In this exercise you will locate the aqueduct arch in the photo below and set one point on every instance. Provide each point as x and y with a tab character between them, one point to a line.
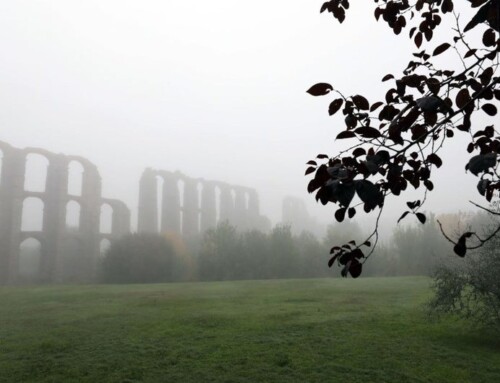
204	203
55	197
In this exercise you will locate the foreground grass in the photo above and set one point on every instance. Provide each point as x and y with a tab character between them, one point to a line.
367	330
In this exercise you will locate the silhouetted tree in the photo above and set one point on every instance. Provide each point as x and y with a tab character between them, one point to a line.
397	140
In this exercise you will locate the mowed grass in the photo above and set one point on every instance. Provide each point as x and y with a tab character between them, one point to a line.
322	330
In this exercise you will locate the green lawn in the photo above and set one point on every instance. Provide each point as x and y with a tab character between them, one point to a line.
323	330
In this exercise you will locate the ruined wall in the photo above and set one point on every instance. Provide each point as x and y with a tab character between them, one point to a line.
173	202
54	237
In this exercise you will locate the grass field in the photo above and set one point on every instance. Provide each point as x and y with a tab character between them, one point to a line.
327	330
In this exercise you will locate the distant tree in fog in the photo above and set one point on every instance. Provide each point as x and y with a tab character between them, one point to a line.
139	258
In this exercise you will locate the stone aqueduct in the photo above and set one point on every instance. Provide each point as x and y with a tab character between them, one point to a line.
168	202
192	209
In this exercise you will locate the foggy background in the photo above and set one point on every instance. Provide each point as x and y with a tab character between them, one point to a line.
213	89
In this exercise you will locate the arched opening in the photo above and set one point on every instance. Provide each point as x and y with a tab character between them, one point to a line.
75	178
35	176
30	257
159	201
106	219
32	215
104	246
199	191
180	187
217	204
233	198
73	216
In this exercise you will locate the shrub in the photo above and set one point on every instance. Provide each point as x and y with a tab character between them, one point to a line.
471	288
139	258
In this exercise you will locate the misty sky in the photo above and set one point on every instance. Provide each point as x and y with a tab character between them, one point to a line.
215	89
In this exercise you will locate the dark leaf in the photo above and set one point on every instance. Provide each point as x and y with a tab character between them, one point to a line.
332	259
358	152
311	163
403	215
340	214
345	134
481	163
460	248
440	49
463	98
351	212
368	132
376	106
387	77
421	217
335	105
345	193
429	103
418	39
480	17
320	89
433	158
310	169
369	194
350	121
429	185
485	77
489	109
489	38
355	268
470	52
482	186
361	102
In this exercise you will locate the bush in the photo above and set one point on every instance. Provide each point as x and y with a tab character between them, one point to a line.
139	258
471	288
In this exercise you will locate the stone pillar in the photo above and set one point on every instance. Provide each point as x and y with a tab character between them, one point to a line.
90	217
171	210
240	209
208	207
11	206
120	224
253	202
148	203
190	209
54	217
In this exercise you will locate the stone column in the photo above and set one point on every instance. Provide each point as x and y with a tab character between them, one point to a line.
190	209
120	224
240	209
90	216
11	206
148	203
54	217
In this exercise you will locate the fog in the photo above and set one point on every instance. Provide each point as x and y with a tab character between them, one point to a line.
212	89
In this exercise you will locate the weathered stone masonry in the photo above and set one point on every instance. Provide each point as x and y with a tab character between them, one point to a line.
204	204
54	234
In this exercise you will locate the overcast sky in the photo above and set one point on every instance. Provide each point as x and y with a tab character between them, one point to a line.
215	89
